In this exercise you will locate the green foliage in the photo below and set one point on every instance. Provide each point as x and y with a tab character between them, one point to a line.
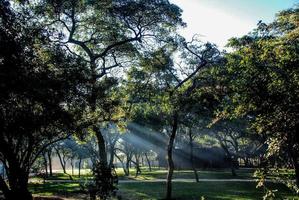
40	99
262	74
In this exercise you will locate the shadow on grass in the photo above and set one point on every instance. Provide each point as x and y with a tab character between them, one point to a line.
208	190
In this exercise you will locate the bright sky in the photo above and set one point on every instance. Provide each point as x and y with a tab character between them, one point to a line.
218	20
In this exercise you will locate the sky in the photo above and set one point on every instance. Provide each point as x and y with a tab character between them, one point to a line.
218	20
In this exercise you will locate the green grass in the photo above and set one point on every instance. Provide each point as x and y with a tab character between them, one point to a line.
188	174
181	190
185	174
62	176
208	190
161	174
49	189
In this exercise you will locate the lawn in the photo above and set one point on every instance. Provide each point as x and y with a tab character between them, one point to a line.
222	190
205	190
181	190
161	174
188	174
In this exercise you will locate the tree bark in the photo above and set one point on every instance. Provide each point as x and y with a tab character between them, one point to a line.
191	156
45	164
169	157
111	156
230	158
72	165
233	167
101	147
296	166
61	160
148	162
50	162
104	178
79	167
137	165
127	168
4	188
18	184
295	161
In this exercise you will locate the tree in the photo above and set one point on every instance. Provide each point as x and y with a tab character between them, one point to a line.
233	136
107	35
263	84
111	134
38	85
169	98
189	131
191	136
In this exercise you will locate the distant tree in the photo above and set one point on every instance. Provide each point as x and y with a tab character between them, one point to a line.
80	153
190	130
49	153
64	154
112	135
232	136
125	152
38	86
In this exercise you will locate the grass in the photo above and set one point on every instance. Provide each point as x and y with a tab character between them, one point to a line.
181	190
208	190
49	189
188	174
161	174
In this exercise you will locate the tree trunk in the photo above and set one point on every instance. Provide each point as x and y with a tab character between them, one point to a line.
295	161
148	162
45	164
230	159
101	147
61	160
233	167
296	166
4	188
137	165
111	156
21	192
104	178
127	168
72	165
191	156
79	167
122	163
18	184
169	156
50	162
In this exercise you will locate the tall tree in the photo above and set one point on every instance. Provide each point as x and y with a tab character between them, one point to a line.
38	86
263	83
107	34
169	97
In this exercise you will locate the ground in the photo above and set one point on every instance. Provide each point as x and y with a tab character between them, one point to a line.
214	184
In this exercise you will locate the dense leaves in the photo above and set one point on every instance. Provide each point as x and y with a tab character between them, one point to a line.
263	72
39	91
